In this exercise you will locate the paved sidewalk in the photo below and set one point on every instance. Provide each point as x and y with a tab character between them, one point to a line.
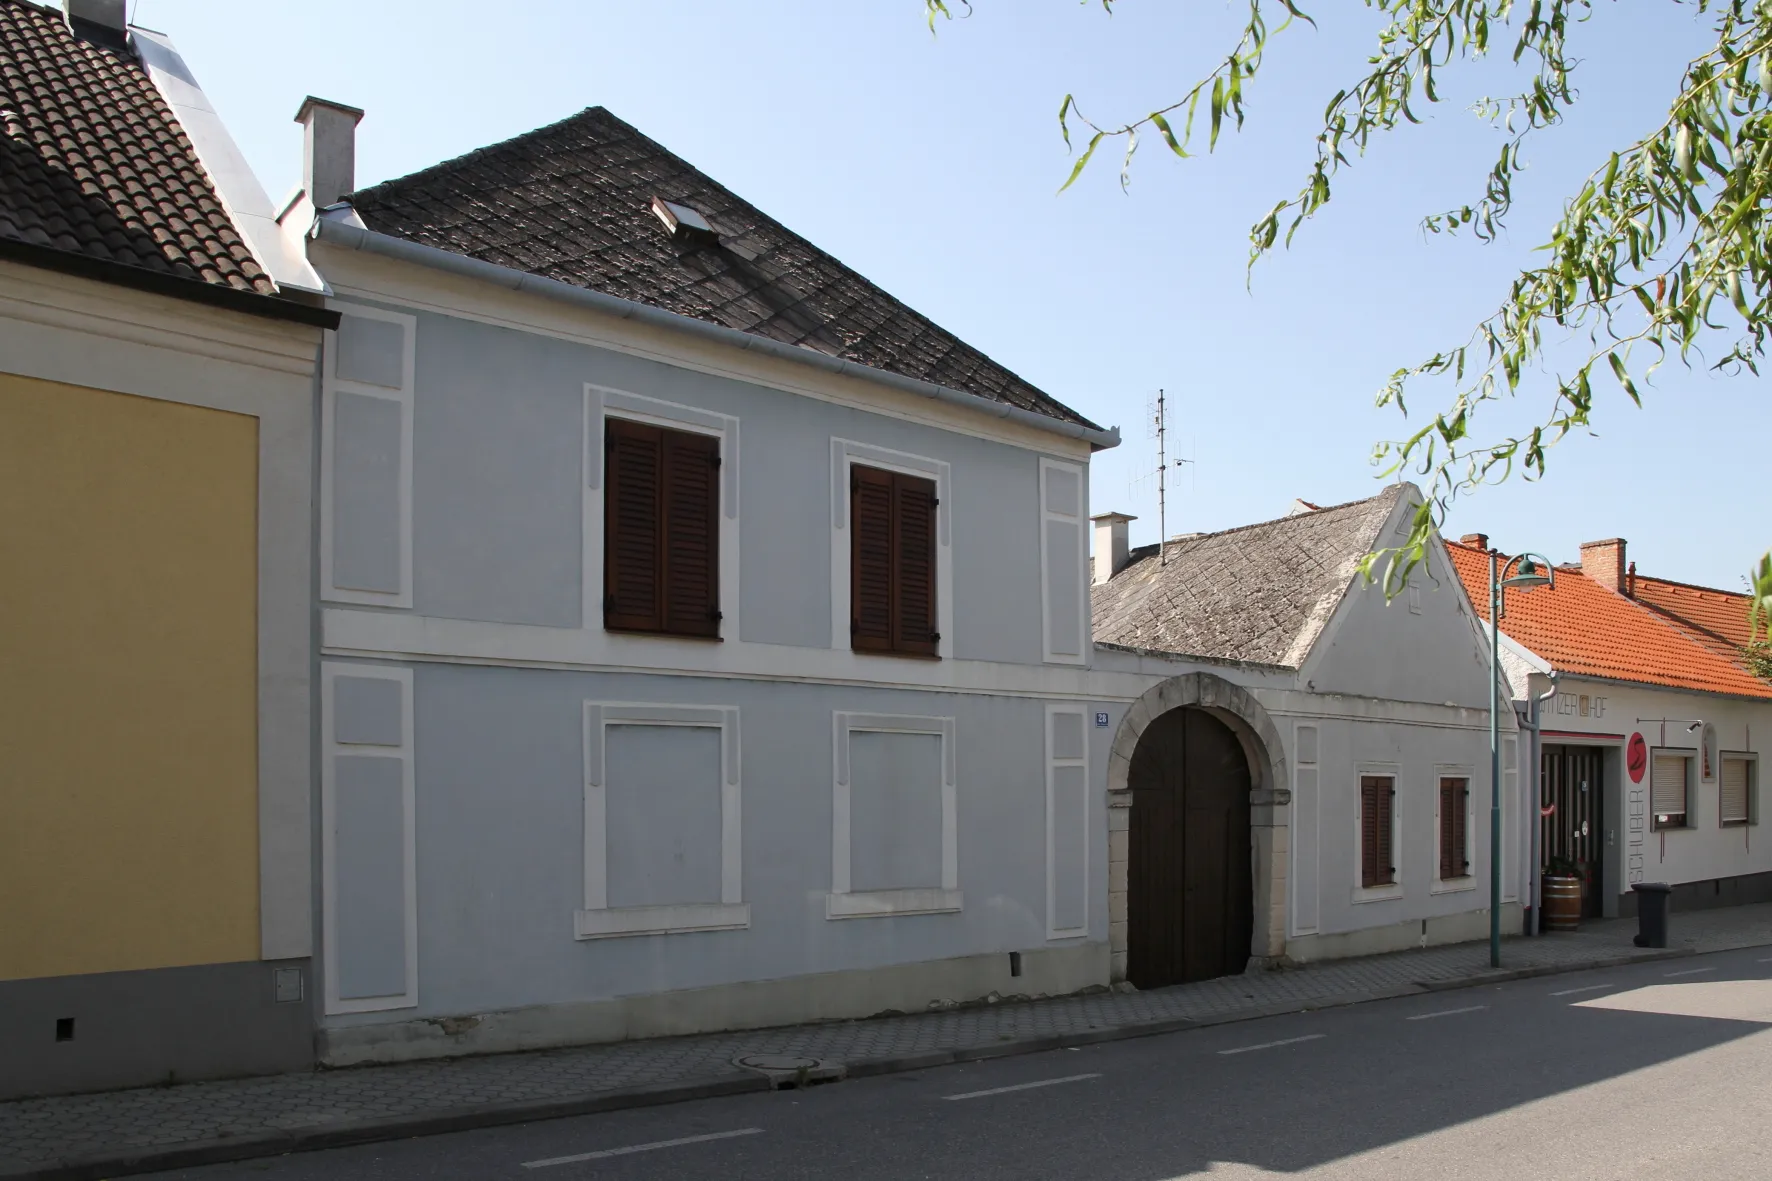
193	1123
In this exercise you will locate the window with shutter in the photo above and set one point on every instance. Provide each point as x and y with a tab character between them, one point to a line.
892	562
661	534
1377	808
1454	827
1737	799
1667	790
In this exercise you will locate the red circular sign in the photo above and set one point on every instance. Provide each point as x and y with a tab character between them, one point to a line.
1636	757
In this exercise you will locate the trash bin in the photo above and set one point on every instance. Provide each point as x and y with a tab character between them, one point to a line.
1652	900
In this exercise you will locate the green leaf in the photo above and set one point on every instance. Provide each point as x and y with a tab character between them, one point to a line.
1162	125
1082	161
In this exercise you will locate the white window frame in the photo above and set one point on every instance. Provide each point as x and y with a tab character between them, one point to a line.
845	454
1394	889
1468	880
844	903
1047	466
1690	756
603	402
331	385
330	748
1753	787
599	920
1053	764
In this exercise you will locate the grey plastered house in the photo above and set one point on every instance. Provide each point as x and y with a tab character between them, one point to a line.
1306	772
704	633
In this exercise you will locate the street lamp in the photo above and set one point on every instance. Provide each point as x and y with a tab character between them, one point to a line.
1530	573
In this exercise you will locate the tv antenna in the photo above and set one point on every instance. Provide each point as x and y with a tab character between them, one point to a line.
1156	416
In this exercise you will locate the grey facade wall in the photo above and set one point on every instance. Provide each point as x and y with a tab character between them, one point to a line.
501	853
156	1026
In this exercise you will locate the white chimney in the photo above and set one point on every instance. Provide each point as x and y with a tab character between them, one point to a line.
329	149
1111	547
105	22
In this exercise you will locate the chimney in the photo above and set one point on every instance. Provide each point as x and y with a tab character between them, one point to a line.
1603	561
329	149
1111	547
102	22
1475	540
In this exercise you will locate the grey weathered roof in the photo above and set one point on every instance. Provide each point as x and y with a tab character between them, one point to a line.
572	202
1260	593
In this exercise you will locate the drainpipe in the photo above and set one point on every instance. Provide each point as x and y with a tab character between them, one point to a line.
1535	770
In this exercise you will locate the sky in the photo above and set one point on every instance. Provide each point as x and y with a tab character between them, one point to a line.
931	163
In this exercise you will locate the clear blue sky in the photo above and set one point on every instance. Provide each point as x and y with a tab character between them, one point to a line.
930	164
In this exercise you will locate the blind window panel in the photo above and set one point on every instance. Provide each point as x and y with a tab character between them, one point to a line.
661	551
1736	805
1667	789
1377	800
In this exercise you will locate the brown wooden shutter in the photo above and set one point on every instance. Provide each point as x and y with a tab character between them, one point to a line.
691	543
1387	795
632	557
1449	853
913	526
870	559
1462	837
1369	860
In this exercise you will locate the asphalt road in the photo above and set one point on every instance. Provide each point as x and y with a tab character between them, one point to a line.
1659	1070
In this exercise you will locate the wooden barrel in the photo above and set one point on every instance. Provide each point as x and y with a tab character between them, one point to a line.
1562	903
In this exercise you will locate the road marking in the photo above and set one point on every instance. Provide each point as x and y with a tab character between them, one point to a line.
1583	988
1445	1013
1045	1082
1309	1037
1689	972
609	1152
1765	961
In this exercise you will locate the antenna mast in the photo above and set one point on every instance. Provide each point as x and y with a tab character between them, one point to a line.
1159	414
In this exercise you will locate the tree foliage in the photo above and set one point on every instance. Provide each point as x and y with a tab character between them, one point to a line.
1665	247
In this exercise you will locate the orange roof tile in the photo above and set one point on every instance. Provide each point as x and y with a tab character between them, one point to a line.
1720	614
1583	628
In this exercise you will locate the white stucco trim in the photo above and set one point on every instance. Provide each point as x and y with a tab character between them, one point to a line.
1467	880
598	920
602	402
1054	763
330	749
1363	894
1080	637
846	453
331	386
1306	872
1511	806
842	902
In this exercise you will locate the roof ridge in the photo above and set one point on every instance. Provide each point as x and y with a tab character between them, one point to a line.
1389	489
1709	590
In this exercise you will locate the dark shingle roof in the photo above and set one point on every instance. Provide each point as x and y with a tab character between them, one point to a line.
93	162
1260	593
572	202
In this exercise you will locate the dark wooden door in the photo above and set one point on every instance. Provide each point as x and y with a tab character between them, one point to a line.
1190	898
1570	786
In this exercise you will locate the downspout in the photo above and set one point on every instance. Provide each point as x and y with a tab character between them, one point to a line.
1535	772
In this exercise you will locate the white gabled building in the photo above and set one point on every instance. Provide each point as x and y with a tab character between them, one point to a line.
1288	700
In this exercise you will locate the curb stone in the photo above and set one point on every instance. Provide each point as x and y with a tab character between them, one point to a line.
345	1133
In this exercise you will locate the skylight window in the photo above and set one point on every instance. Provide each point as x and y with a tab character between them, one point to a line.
683	223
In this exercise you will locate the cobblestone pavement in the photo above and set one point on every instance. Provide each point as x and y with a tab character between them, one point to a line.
38	1131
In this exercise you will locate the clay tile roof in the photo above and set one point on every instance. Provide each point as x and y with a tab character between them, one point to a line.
1582	627
1260	593
572	202
93	162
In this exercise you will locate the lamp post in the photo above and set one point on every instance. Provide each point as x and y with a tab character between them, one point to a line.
1530	574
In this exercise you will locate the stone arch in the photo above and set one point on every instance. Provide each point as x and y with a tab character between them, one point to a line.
1270	792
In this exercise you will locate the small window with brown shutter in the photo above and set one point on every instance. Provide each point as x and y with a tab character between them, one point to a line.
661	530
1455	854
892	562
1378	796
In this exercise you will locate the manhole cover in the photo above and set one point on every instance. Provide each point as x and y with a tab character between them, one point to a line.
791	1070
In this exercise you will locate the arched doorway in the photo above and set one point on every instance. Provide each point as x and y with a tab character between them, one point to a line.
1190	893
